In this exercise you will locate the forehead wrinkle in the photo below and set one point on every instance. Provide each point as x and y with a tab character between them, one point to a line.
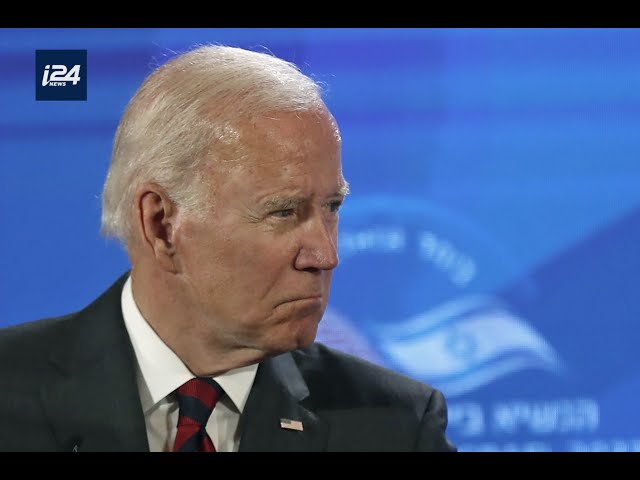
272	143
271	138
290	137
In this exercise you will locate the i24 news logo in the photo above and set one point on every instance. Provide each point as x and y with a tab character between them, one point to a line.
61	75
58	75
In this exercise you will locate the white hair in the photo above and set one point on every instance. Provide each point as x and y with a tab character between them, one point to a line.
182	109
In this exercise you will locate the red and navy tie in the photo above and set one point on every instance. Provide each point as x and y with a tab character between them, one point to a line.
196	400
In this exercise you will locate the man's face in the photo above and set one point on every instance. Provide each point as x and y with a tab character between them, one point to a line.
257	271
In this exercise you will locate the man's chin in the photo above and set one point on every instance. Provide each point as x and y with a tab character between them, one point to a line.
303	336
307	340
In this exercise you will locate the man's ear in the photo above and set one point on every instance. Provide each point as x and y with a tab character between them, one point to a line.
156	220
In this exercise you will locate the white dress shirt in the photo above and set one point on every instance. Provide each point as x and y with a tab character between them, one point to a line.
160	372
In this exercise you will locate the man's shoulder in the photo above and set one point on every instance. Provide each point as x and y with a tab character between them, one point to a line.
27	345
370	407
25	348
355	377
32	334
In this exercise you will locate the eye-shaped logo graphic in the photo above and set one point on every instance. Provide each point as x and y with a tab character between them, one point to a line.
466	343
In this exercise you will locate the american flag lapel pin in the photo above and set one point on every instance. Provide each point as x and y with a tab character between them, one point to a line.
291	424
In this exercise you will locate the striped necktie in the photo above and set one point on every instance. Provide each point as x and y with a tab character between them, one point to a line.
196	399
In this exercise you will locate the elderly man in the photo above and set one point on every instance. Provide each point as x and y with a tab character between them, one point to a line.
224	186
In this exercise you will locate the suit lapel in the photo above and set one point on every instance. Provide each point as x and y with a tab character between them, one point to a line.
92	401
96	411
277	393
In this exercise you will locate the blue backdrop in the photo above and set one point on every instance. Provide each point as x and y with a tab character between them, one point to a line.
490	245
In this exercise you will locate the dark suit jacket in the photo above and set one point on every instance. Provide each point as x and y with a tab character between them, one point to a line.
69	383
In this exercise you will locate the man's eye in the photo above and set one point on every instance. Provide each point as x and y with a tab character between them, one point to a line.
335	206
282	213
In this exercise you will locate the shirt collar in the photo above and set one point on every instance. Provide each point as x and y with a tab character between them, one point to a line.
161	371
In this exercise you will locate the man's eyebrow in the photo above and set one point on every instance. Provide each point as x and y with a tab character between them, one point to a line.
343	191
281	203
284	203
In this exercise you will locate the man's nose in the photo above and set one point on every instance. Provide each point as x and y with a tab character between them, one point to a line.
318	248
